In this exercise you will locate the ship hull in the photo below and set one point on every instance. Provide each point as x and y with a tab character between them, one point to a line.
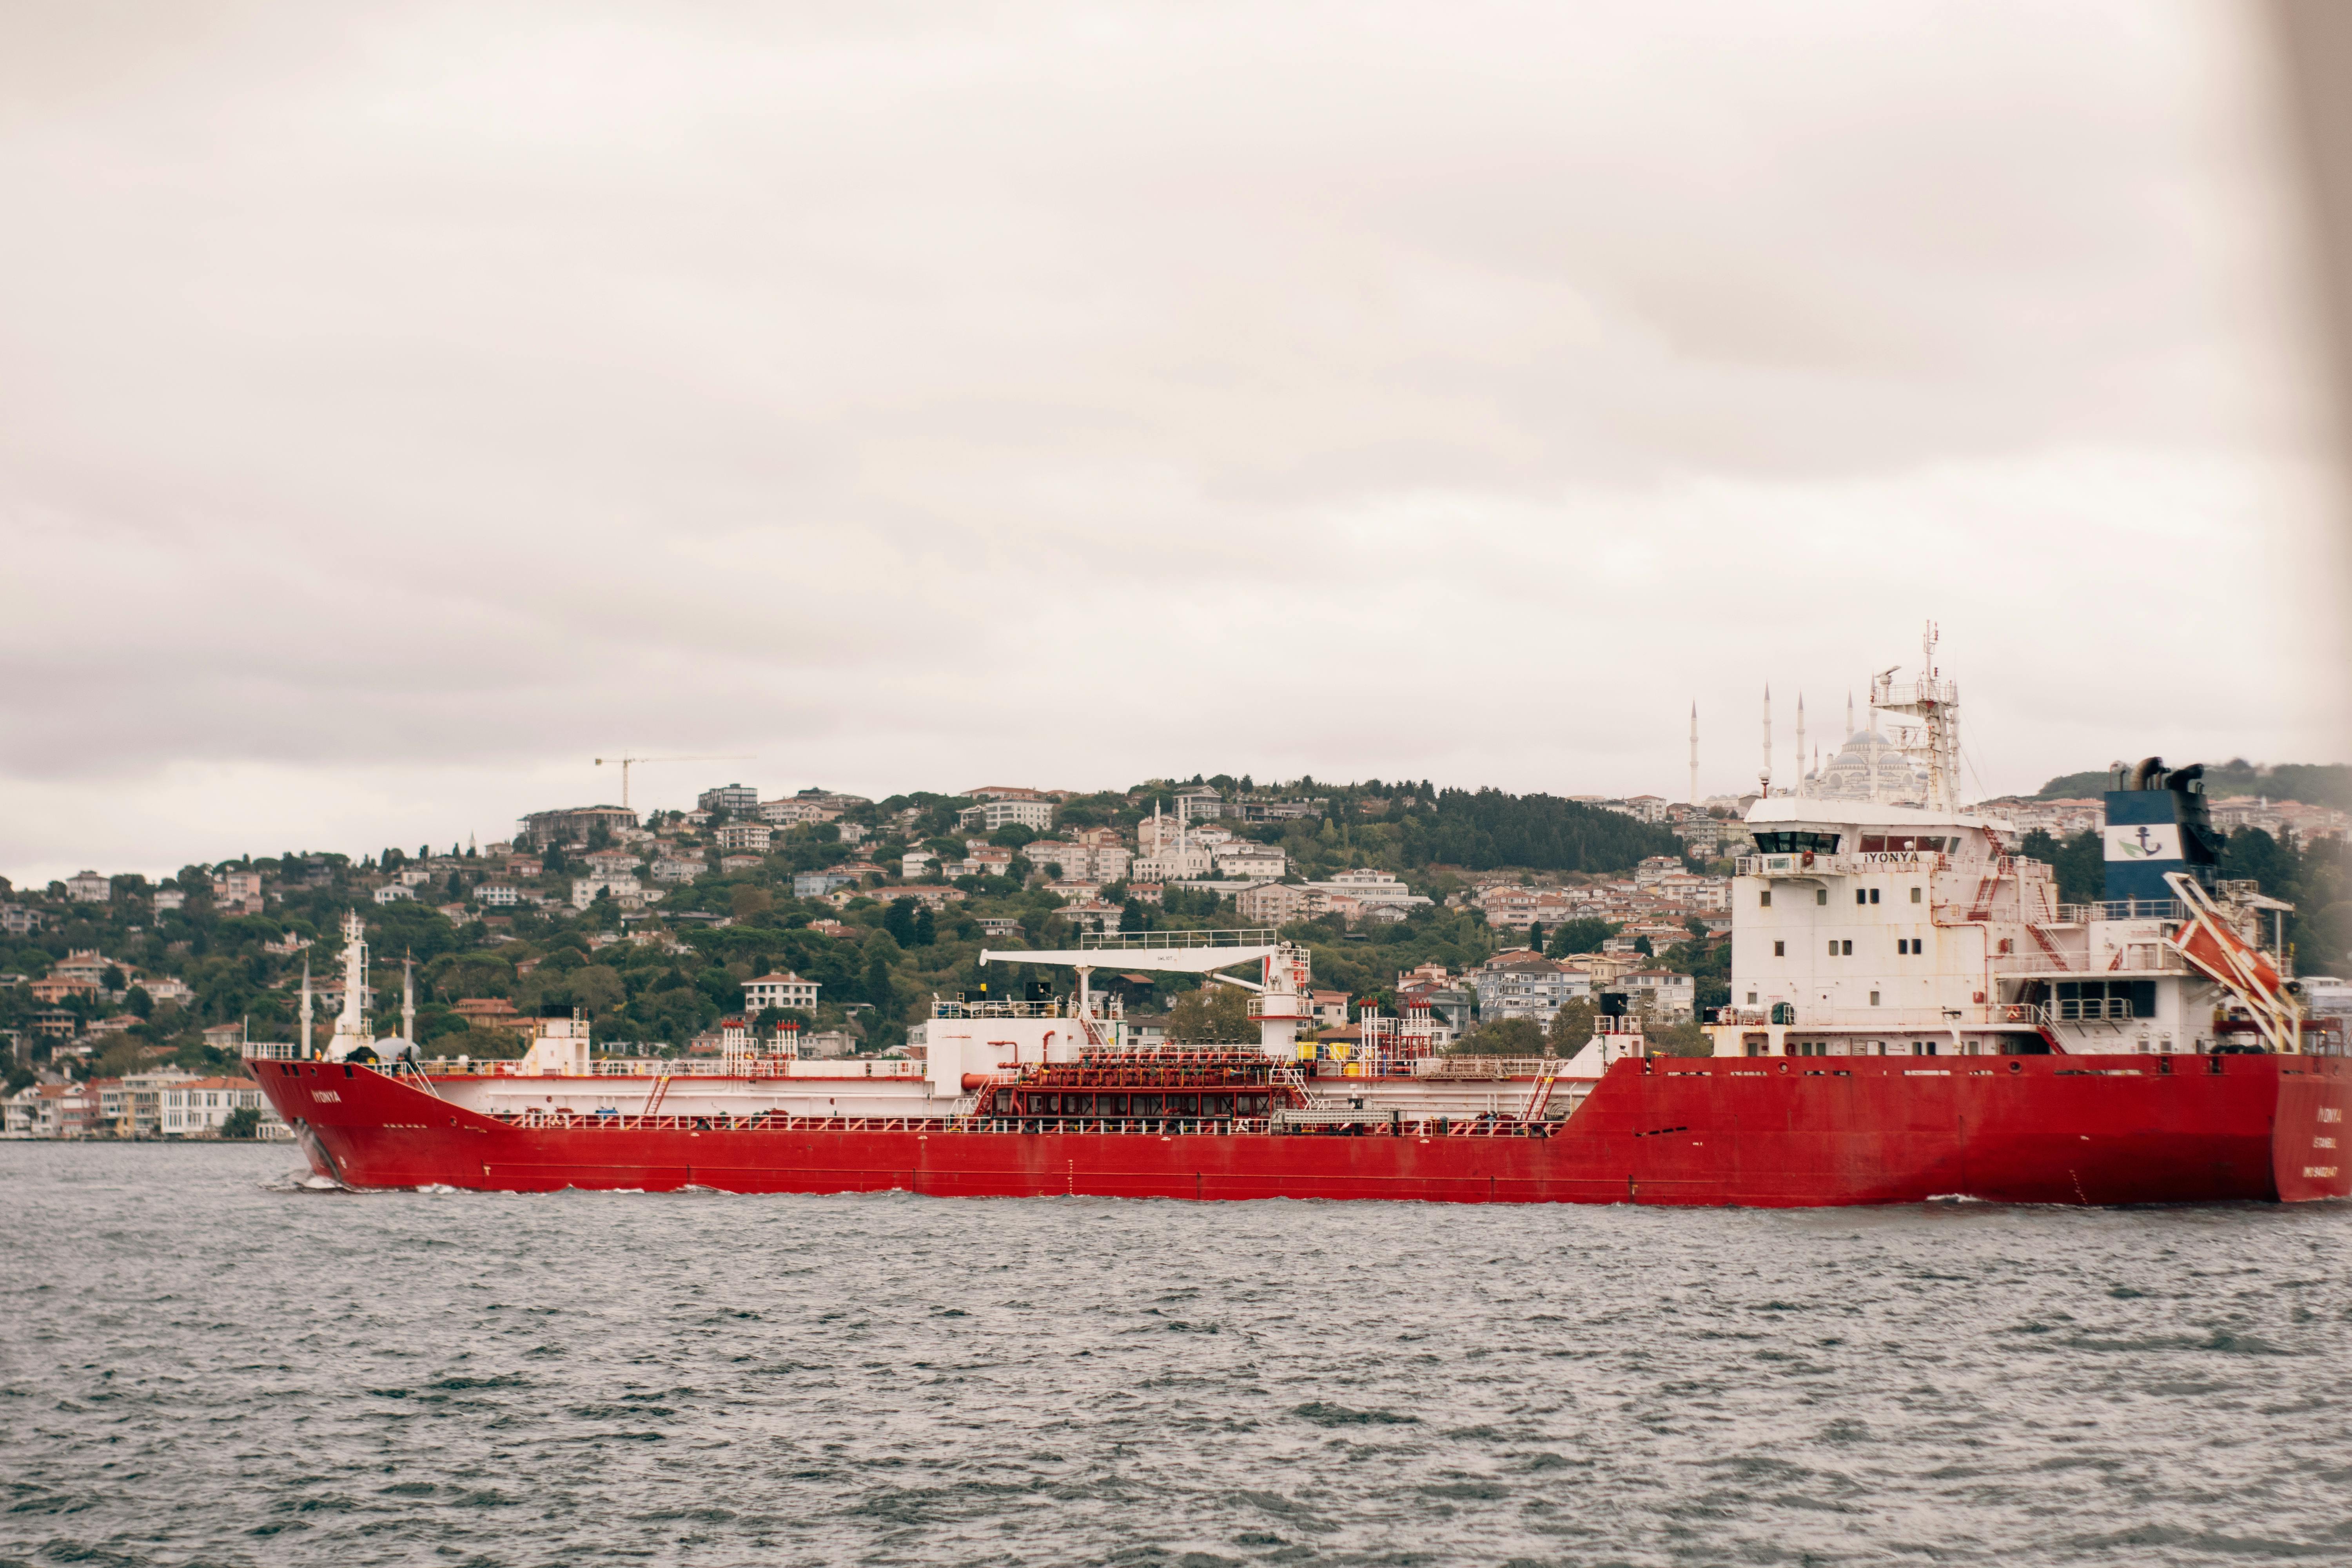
1759	1132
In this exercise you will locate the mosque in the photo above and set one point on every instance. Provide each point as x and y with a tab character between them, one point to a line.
1868	767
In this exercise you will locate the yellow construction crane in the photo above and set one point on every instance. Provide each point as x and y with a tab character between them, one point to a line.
628	763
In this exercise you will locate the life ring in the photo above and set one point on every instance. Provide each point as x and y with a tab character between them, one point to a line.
1808	860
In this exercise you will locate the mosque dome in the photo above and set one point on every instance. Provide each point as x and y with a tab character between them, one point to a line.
1868	767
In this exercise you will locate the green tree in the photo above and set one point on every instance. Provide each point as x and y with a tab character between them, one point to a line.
141	1002
1503	1037
245	1121
597	989
1642	945
880	988
1680	1039
1583	934
1572	1026
1213	1015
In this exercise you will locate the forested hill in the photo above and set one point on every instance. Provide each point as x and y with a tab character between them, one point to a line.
2314	783
1407	827
1485	828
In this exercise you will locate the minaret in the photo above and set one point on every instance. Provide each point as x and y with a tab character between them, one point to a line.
307	1039
1801	744
408	999
1693	793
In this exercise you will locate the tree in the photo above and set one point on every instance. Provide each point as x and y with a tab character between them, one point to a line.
113	979
899	920
245	1121
880	988
479	1043
926	928
141	1002
1583	934
1503	1037
1213	1015
1685	1039
747	902
1642	945
1572	1026
598	989
1535	935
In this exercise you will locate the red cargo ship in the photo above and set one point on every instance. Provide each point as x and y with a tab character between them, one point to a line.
1652	1129
1913	1015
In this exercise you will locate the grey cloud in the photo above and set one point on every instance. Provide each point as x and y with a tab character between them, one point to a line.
1062	393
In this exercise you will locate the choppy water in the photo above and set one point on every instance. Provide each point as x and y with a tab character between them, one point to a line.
196	1368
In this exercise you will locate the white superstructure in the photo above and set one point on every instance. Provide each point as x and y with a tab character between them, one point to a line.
1869	927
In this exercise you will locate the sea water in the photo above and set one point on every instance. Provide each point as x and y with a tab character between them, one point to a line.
201	1363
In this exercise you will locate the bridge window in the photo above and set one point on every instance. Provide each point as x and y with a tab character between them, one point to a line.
2092	999
1796	843
1779	950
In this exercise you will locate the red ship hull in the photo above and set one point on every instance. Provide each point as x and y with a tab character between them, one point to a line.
1761	1132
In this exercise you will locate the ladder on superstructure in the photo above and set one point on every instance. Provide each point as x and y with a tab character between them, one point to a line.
1539	1097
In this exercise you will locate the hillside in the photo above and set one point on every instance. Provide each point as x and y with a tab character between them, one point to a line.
2314	784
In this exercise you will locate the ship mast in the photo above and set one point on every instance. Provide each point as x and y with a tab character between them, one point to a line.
1935	704
352	1025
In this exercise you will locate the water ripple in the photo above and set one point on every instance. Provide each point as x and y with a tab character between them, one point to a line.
207	1364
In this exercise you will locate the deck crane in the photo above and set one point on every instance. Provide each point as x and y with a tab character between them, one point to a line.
1280	1006
628	763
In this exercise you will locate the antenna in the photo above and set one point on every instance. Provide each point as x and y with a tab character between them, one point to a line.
1764	779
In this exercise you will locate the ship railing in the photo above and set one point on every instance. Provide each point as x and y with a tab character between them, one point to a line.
2133	958
966	1008
2122	910
1481	1069
272	1051
1154	940
1374	1122
692	1067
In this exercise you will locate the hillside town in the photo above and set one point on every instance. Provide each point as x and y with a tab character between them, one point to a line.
826	924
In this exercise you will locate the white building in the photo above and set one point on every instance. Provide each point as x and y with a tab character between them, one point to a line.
1376	890
1250	860
915	864
786	990
1659	994
395	893
196	1109
753	837
733	797
585	890
676	869
495	896
90	888
1524	984
987	815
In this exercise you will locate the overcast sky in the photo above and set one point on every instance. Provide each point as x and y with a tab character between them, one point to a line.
402	406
